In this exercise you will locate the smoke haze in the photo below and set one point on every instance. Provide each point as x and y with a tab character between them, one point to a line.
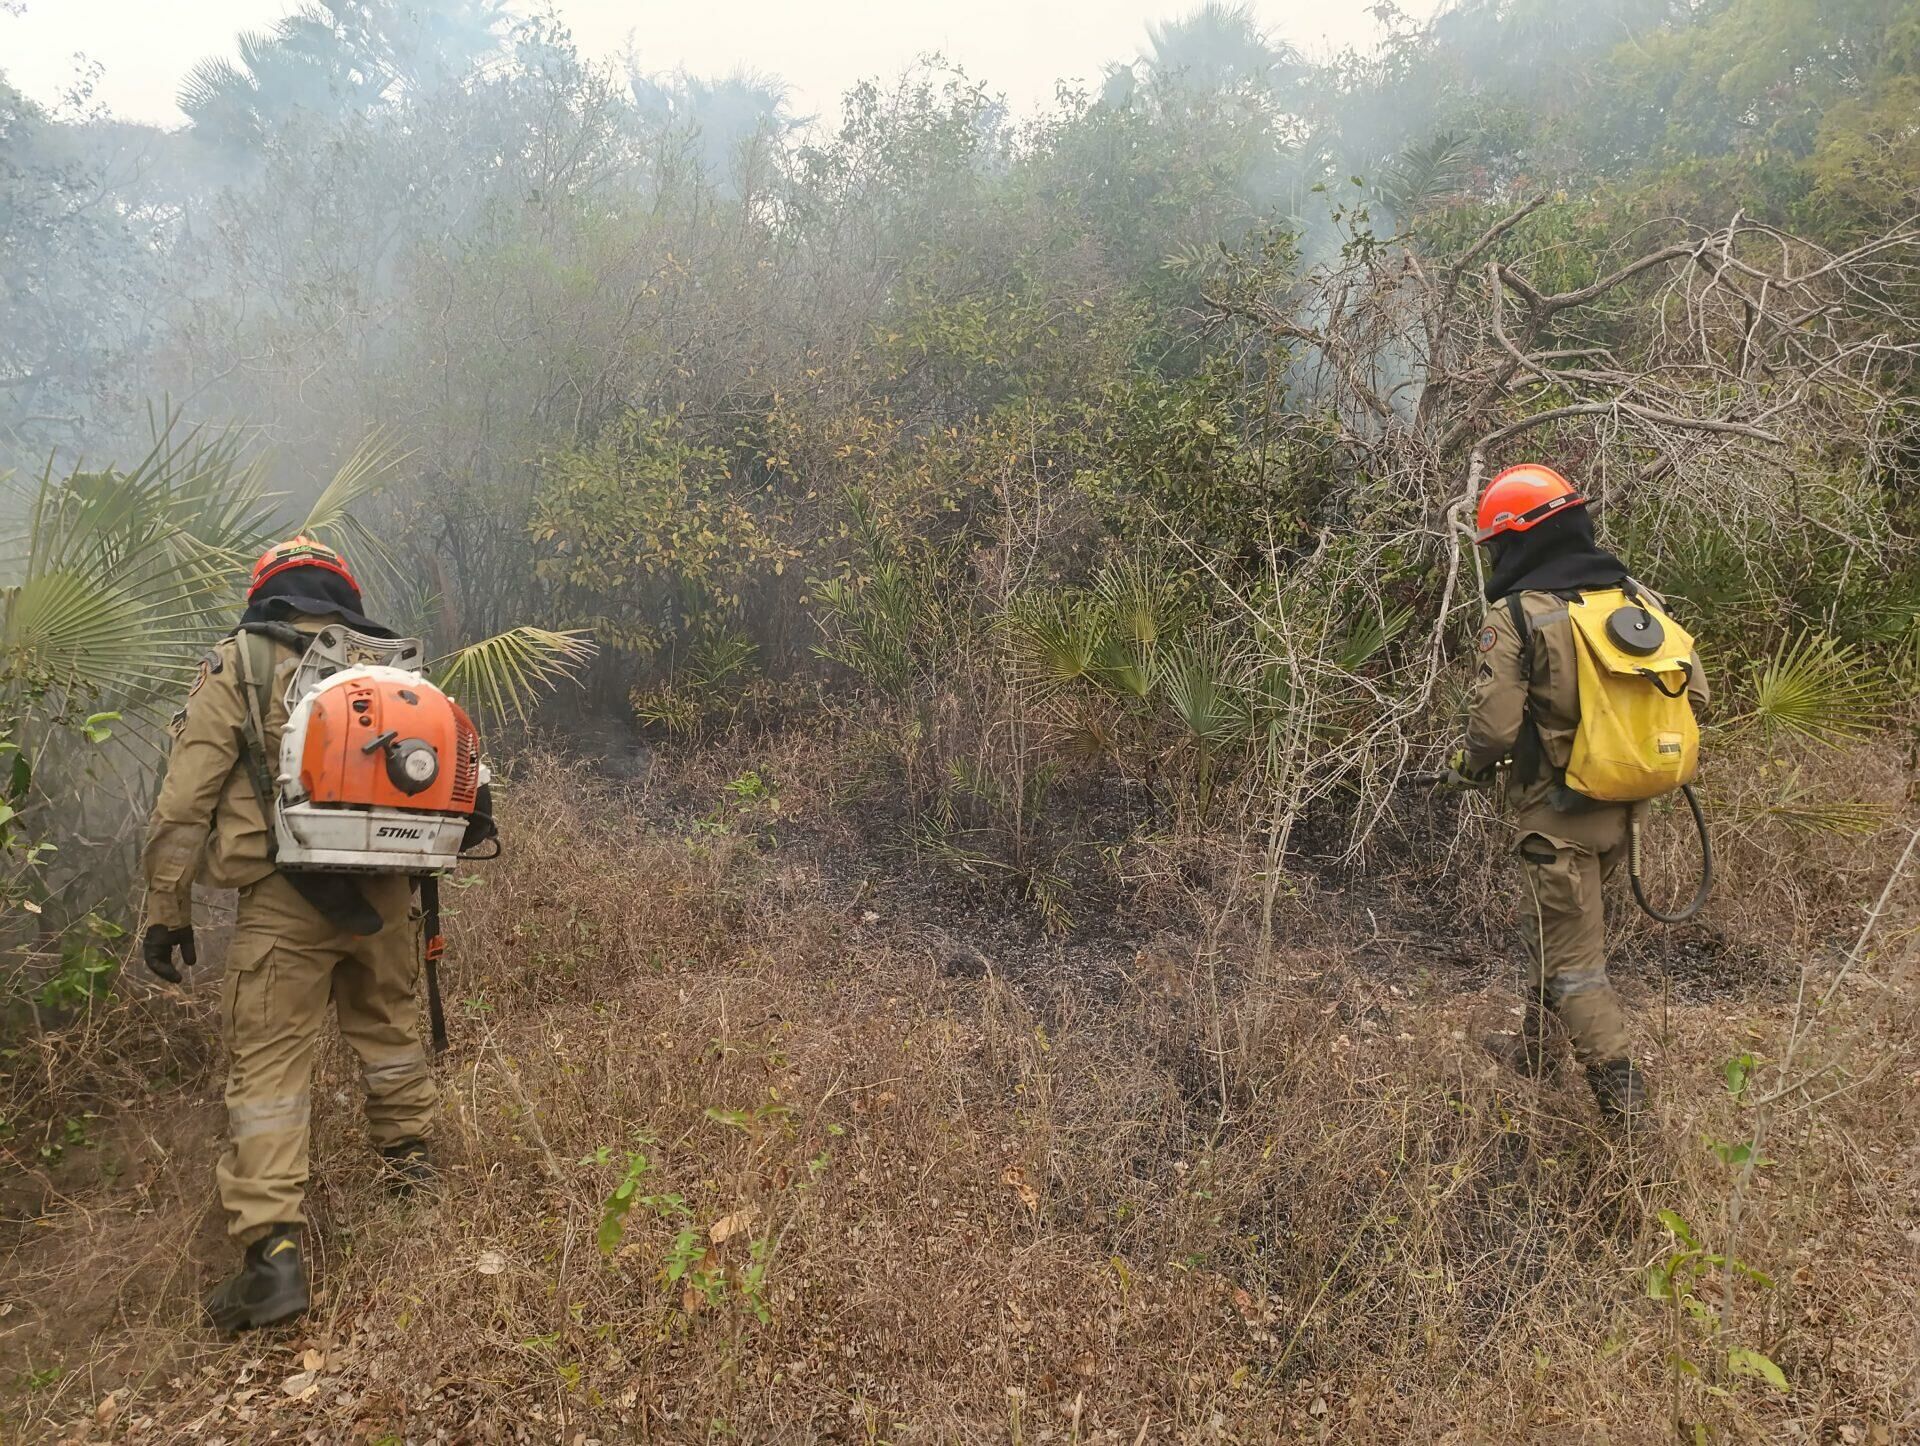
818	49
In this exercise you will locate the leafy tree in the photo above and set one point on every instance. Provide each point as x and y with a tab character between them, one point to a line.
647	530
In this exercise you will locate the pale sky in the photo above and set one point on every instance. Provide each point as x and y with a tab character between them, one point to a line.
819	47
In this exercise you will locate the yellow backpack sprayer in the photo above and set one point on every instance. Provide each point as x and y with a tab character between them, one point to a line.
1637	739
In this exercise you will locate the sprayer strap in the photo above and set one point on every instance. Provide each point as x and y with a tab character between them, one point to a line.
1517	610
1529	753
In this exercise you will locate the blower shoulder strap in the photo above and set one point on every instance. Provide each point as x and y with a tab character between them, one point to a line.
284	633
257	641
336	898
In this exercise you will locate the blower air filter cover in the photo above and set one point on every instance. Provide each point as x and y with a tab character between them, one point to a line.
413	765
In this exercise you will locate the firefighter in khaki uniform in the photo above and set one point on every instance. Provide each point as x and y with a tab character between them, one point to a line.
1525	705
298	942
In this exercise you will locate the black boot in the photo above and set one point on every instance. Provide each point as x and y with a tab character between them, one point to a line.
408	1167
269	1287
1621	1092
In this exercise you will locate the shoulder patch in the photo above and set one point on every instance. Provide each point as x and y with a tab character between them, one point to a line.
1488	637
200	678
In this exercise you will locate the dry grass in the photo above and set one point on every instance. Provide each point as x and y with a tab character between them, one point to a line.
1213	1201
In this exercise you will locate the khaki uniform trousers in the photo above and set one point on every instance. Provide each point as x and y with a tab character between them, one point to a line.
1566	857
286	961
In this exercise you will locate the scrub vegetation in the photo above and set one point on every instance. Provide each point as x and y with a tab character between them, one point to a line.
959	601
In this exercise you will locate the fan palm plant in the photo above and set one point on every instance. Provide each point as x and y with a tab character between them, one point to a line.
306	63
333	58
1423	176
1140	610
112	581
1819	691
1205	693
1368	634
1813	695
1218	48
110	578
1110	633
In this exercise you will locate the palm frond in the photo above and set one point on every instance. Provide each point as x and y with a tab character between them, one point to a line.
1798	807
212	85
192	501
677	713
365	472
69	630
1127	666
1088	735
1272	694
1825	692
718	659
1201	685
1368	634
1839	817
336	517
1050	893
1053	639
202	511
1424	175
501	675
113	577
1140	602
217	505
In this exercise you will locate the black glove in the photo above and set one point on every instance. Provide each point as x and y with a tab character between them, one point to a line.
158	944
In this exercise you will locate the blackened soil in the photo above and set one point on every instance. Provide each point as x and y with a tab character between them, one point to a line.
1404	910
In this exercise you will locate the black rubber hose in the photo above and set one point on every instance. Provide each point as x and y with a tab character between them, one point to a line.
1699	899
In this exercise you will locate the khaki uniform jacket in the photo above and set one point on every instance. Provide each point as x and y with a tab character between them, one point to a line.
207	822
1509	688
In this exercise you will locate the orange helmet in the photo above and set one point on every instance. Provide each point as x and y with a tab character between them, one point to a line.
298	552
1521	498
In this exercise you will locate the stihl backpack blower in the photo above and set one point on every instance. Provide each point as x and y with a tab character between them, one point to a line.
379	772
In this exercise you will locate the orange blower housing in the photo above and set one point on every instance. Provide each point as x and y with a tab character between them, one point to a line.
380	772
